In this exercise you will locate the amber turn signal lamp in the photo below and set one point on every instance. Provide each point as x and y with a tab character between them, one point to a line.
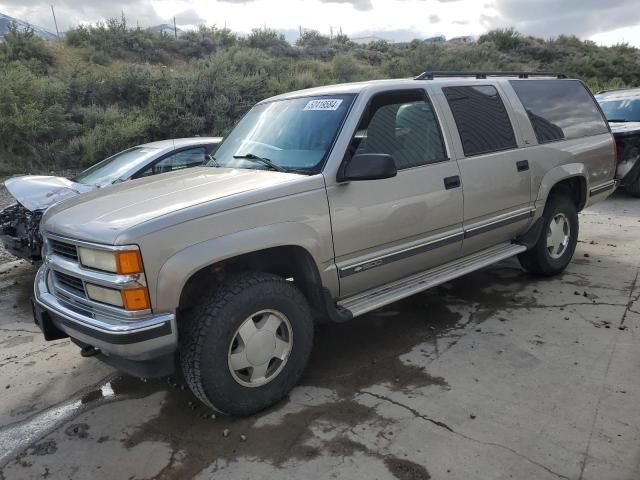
136	299
128	262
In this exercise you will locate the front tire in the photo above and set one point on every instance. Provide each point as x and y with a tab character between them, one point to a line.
557	243
246	345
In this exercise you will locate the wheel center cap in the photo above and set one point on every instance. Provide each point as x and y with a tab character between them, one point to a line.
261	347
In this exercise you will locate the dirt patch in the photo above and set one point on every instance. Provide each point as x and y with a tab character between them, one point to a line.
79	430
406	470
18	339
48	447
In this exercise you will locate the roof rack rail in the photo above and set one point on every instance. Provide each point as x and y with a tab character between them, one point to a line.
430	75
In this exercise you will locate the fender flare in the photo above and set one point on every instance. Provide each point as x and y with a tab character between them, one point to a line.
559	173
179	268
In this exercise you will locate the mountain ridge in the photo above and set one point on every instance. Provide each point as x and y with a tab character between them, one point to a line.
6	21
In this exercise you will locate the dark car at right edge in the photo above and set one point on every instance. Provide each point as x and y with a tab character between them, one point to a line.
622	109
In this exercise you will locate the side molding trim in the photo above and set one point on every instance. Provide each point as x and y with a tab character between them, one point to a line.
432	245
401	255
605	187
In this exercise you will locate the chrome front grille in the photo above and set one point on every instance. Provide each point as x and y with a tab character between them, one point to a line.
71	284
66	250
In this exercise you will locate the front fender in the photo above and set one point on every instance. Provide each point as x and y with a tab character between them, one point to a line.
177	270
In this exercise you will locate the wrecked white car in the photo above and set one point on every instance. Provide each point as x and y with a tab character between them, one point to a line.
20	222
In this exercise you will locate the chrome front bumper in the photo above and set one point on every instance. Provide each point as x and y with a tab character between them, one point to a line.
135	338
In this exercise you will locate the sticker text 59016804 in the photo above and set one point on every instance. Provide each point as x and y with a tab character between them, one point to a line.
324	104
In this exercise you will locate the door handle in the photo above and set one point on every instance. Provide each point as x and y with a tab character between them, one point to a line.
522	165
452	182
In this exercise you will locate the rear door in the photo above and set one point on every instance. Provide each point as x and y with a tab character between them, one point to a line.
387	229
496	174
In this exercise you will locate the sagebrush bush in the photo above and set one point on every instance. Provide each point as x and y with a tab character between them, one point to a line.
111	87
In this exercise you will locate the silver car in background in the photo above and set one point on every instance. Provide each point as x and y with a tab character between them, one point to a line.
20	222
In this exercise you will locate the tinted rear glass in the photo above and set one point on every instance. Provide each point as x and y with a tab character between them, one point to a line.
481	118
559	109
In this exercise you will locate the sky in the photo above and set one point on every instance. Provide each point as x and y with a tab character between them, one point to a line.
606	22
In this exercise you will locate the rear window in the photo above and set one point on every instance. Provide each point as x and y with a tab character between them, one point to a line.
559	109
621	109
481	118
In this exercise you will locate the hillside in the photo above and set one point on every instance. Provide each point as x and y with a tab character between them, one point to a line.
5	25
109	87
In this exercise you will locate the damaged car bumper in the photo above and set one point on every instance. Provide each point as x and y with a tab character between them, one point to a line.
20	231
627	137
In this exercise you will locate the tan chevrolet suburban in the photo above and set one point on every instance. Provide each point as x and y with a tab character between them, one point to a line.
321	205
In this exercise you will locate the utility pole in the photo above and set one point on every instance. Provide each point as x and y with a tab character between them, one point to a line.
331	31
300	29
175	29
55	22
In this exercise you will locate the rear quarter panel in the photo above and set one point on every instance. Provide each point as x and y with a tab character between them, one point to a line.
591	158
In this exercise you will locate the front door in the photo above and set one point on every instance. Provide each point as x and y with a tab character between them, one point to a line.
387	229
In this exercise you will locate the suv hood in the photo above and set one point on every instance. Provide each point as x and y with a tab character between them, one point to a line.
37	192
100	216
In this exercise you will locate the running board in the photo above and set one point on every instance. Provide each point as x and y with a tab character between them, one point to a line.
405	287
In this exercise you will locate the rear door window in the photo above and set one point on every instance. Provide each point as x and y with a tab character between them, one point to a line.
482	119
559	109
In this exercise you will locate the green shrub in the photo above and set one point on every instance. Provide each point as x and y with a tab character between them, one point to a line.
110	86
26	47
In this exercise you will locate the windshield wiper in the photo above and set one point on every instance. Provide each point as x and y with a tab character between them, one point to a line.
263	160
618	120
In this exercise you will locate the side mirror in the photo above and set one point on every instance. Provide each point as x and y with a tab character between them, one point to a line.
368	166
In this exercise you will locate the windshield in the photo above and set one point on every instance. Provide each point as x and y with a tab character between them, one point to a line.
293	134
111	169
627	109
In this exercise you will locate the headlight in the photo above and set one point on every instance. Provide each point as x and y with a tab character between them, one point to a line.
129	299
104	295
124	262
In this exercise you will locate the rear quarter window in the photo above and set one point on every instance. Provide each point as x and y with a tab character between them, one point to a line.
481	118
559	109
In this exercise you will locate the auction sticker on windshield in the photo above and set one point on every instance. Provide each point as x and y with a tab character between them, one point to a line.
324	104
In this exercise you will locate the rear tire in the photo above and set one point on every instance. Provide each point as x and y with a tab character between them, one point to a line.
246	345
557	243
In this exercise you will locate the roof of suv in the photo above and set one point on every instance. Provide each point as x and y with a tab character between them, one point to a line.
359	87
